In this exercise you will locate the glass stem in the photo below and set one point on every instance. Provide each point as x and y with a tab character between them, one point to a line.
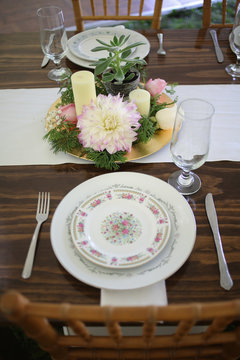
185	179
238	61
57	64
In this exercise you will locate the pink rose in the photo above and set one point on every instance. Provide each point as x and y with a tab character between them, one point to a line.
155	87
69	112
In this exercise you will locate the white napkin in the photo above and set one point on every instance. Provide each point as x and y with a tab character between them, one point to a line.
22	125
149	295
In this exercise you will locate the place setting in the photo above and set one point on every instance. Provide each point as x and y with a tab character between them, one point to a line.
122	230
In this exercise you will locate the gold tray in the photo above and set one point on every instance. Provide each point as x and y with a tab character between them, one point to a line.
140	150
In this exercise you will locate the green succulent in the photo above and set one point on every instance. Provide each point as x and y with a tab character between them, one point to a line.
117	60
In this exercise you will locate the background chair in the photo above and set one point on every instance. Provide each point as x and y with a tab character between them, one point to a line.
212	343
110	10
207	20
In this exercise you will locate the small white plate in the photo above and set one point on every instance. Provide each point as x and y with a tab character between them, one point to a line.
176	252
120	228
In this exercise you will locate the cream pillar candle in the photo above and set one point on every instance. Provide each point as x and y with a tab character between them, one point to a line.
166	117
84	90
141	98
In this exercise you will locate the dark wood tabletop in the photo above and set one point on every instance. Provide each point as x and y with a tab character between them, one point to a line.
190	59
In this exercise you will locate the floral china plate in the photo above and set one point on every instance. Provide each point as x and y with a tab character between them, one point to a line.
120	228
176	251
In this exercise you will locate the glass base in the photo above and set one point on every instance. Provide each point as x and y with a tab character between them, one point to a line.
192	188
233	70
59	74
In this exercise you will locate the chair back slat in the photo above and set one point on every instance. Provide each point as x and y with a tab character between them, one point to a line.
93	7
183	328
36	319
149	326
114	330
141	7
117	7
131	13
129	7
105	7
217	326
80	329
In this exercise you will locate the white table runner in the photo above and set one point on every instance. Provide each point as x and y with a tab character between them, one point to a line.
22	125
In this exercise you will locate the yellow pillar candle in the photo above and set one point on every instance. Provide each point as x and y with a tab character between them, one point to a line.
84	90
141	98
166	117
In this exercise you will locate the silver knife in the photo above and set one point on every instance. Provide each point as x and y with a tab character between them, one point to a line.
225	278
45	61
218	51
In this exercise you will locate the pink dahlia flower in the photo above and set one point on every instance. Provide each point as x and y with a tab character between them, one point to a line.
109	123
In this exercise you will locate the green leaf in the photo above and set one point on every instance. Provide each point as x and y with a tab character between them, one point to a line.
107	77
146	130
100	48
103	43
121	40
126	39
132	46
67	91
63	137
136	61
125	54
103	159
115	40
102	66
130	76
119	76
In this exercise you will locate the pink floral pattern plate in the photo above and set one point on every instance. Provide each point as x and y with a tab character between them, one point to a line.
120	228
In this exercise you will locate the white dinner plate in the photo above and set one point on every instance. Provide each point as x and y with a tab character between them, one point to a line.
176	252
81	44
120	228
76	60
84	57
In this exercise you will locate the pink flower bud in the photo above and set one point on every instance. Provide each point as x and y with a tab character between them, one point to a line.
155	87
69	112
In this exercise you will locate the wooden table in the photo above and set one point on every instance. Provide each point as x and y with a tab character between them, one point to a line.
190	59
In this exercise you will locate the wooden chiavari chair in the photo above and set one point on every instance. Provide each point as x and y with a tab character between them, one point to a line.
112	10
213	342
207	18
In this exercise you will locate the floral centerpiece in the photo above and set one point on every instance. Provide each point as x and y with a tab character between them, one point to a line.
103	127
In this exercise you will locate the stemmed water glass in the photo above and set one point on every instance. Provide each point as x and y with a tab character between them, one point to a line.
53	39
234	41
190	143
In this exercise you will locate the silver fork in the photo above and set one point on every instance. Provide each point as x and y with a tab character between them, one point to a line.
41	216
161	50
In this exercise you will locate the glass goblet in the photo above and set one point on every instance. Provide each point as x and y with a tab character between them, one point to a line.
190	143
53	39
234	42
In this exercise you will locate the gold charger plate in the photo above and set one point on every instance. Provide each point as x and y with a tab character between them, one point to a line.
140	150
